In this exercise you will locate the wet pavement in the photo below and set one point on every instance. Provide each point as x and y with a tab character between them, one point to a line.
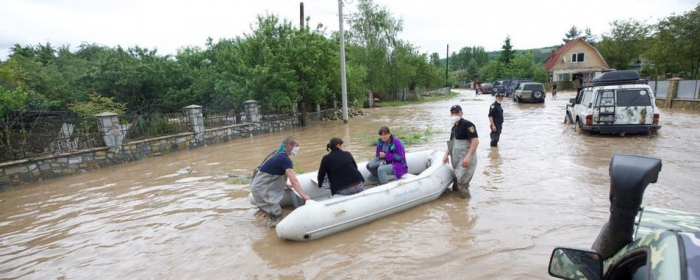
180	216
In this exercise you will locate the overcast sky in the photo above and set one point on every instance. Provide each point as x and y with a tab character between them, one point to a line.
430	25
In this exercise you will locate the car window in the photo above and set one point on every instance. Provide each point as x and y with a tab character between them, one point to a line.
534	87
588	98
633	97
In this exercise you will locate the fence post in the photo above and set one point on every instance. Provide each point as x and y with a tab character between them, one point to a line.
108	124
370	98
194	114
318	111
672	91
250	108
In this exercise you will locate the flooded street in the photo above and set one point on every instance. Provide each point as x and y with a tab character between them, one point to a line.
179	216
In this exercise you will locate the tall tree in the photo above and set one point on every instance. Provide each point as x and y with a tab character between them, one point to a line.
507	52
572	34
435	59
624	43
675	46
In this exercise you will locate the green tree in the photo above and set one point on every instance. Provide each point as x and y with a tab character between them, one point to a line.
572	34
507	53
624	43
675	46
435	60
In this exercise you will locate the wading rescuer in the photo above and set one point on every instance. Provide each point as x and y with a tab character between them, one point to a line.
462	149
496	119
270	181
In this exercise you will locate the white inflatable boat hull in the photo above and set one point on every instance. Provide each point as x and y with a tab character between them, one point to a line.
325	215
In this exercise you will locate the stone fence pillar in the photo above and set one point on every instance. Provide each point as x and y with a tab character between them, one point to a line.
250	108
672	91
108	124
194	114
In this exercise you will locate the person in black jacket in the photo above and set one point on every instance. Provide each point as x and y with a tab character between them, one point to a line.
341	169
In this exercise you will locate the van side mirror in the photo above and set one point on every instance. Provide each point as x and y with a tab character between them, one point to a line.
570	263
572	101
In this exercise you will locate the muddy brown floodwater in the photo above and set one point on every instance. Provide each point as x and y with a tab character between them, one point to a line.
179	216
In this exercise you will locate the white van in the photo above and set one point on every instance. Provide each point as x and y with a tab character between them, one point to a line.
615	102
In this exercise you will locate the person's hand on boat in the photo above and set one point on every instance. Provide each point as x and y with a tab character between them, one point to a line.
305	197
466	162
446	159
382	154
288	186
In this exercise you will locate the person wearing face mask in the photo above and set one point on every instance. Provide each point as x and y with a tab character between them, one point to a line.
391	155
341	169
496	119
268	185
462	148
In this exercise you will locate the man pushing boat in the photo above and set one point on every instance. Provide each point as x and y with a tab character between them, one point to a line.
270	181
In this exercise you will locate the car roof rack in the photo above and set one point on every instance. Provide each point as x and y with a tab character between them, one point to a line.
623	77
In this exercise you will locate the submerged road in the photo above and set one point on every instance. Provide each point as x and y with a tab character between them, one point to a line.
181	216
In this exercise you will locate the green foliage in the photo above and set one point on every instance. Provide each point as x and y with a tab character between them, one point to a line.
155	126
95	105
624	43
409	136
675	46
419	101
11	100
573	34
507	53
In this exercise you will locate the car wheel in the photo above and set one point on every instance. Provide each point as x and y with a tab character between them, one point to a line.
567	119
579	128
537	94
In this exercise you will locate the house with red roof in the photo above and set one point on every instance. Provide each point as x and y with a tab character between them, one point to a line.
577	58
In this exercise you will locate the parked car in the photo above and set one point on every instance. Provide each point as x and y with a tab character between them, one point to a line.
636	242
529	92
513	84
485	88
499	87
615	102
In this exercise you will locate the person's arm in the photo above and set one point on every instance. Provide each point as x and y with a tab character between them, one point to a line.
446	158
321	172
295	183
472	149
399	152
493	125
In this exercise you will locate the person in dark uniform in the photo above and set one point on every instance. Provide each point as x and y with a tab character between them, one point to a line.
462	149
496	119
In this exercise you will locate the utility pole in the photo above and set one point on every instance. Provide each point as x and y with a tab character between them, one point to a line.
342	62
301	74
447	62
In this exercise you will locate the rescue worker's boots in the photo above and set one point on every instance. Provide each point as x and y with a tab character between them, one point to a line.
273	220
464	191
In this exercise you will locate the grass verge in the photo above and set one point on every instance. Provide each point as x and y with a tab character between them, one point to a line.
420	100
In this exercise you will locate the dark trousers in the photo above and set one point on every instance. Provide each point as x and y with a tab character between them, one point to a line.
495	136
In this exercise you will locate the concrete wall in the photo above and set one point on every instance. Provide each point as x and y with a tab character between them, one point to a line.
671	100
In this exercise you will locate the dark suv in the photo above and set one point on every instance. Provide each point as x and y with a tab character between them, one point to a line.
507	87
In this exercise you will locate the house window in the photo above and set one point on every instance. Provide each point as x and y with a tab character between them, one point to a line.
577	57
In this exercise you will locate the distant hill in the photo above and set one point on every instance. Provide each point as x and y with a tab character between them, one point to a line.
540	54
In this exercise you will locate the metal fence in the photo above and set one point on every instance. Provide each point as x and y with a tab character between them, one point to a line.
33	134
153	119
660	88
219	118
688	89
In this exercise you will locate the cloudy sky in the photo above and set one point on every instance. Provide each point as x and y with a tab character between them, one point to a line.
430	25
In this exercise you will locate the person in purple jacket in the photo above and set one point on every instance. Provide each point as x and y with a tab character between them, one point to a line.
391	151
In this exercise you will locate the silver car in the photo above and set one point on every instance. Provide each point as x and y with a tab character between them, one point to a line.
529	92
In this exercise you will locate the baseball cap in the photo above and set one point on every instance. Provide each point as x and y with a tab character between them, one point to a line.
456	108
500	95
